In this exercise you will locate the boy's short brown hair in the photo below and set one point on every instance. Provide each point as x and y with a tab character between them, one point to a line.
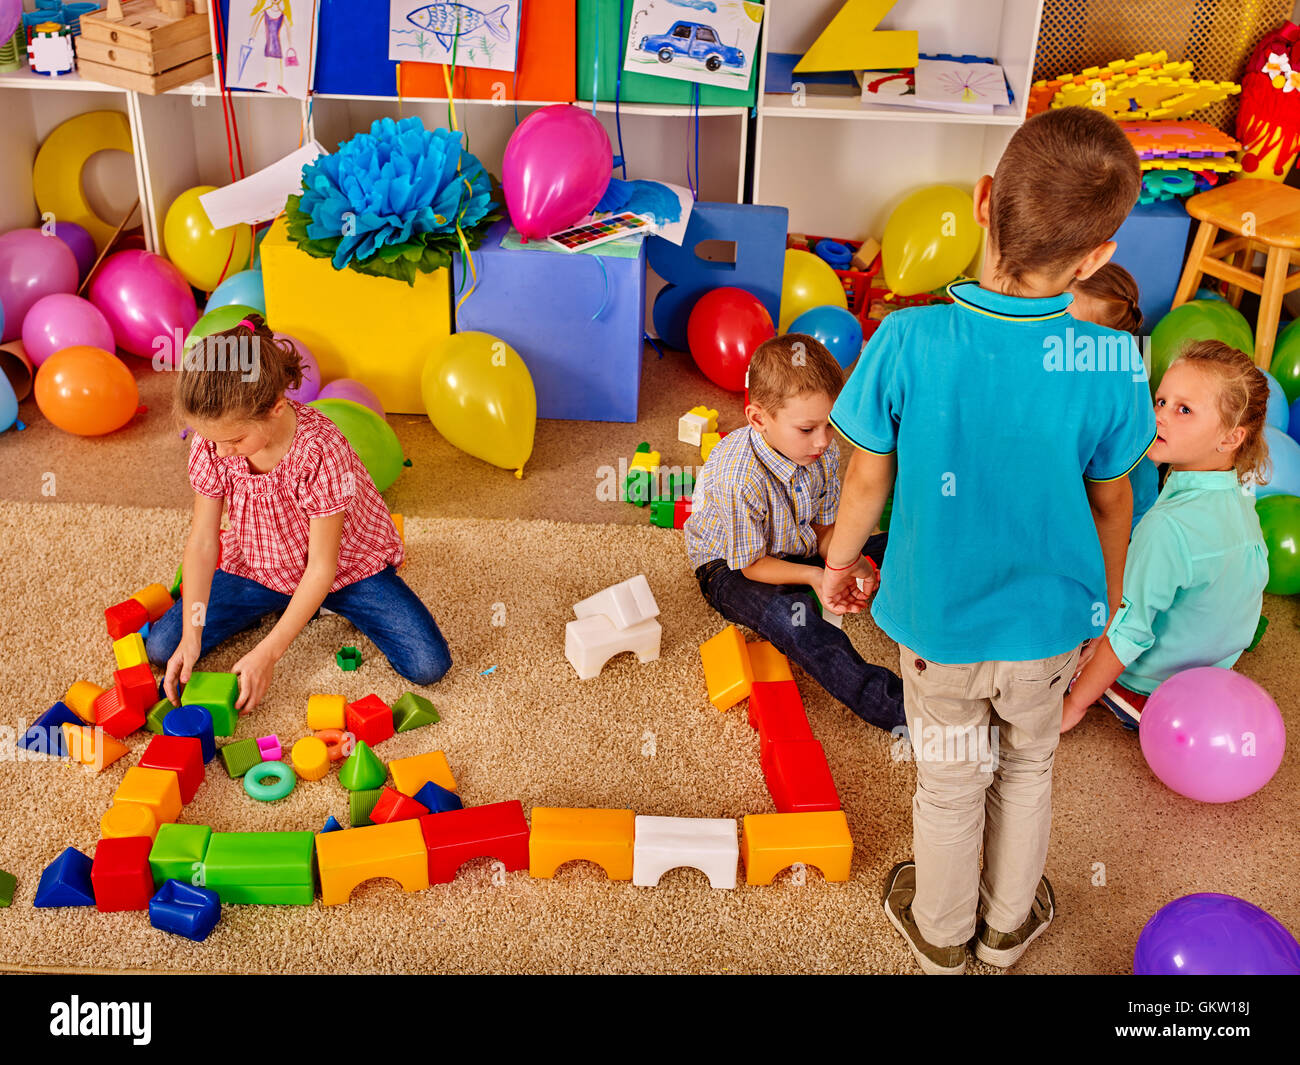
1064	185
792	365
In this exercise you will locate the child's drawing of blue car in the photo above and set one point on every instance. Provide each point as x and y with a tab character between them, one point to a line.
696	41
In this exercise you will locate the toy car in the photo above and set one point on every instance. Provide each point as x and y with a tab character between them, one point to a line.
694	40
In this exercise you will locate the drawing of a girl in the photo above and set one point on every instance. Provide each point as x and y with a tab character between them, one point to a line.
274	16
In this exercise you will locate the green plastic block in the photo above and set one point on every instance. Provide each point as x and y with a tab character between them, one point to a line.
239	757
360	804
175	589
7	884
364	769
662	513
217	693
178	852
412	711
680	485
154	719
348	658
266	868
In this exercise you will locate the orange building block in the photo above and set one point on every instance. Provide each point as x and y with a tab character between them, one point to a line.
772	842
326	711
411	774
81	700
158	789
154	598
352	856
564	835
92	747
124	819
727	670
767	663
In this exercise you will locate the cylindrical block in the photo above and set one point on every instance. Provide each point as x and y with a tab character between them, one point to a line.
128	819
193	721
311	759
325	711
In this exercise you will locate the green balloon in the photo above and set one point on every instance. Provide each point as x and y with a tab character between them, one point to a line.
1279	520
371	438
218	320
1198	320
1286	361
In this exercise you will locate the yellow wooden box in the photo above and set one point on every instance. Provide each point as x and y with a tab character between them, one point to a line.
375	330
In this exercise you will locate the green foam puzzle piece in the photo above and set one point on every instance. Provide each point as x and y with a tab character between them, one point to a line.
239	757
216	692
7	884
270	868
412	711
154	719
363	770
178	852
361	804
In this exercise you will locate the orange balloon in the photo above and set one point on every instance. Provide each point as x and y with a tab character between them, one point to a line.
86	391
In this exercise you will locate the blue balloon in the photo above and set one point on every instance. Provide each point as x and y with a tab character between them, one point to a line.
1292	429
258	237
1209	294
243	289
1284	457
835	327
1209	934
1279	414
8	404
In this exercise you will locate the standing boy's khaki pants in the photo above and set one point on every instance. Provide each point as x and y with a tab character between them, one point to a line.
983	736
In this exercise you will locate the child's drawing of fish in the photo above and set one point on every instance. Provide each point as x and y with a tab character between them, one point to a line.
447	21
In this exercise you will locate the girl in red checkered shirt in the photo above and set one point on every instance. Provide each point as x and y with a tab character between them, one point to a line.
307	530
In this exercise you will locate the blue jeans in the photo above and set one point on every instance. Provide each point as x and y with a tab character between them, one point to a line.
381	606
821	650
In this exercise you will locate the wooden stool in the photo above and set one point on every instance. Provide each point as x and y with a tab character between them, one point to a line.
1262	216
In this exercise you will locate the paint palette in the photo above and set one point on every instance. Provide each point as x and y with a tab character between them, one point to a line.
601	231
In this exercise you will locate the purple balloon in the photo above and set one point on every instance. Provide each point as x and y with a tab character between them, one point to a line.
64	321
1212	734
310	387
346	388
11	13
1215	935
556	167
32	266
81	243
146	301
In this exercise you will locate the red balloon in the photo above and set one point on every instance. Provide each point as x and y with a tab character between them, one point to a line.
724	328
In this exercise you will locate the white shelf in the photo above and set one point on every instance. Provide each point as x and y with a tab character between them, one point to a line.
782	105
74	82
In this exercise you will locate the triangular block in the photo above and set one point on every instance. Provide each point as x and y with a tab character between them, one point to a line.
92	748
46	734
332	825
412	711
394	806
438	799
852	42
363	770
66	881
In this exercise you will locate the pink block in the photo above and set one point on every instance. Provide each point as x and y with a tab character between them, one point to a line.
270	748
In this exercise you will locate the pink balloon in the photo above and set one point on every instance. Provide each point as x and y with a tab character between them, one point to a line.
310	387
11	14
556	167
64	321
146	301
346	388
32	266
1212	734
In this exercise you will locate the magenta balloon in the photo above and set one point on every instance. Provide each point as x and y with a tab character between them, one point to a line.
11	13
146	300
64	321
556	167
82	244
310	387
32	266
346	388
1212	734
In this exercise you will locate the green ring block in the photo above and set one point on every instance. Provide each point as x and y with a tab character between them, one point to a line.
215	692
154	719
412	711
361	804
8	882
178	852
261	868
348	659
239	757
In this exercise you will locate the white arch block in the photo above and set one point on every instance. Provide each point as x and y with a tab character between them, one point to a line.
591	642
705	843
626	604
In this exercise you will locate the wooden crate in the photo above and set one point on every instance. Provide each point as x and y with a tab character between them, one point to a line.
147	46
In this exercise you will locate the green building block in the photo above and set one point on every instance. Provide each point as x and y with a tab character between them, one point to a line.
662	513
1260	629
175	589
680	485
412	711
360	804
239	757
217	693
7	884
154	719
364	769
348	658
178	852
262	868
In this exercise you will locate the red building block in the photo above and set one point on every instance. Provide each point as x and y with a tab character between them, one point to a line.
125	618
183	755
120	874
776	710
798	777
455	837
114	718
136	688
370	719
394	806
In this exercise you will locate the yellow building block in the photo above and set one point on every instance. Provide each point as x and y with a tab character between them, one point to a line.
644	460
727	670
326	711
129	651
375	330
767	663
707	443
352	856
154	598
92	747
772	842
158	789
560	835
128	819
81	700
709	415
852	42
411	774
310	758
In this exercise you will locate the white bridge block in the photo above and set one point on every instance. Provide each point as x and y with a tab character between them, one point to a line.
708	844
626	604
591	642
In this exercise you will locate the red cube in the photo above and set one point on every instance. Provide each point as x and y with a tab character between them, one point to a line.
120	874
136	687
126	618
798	777
114	718
394	806
183	755
370	719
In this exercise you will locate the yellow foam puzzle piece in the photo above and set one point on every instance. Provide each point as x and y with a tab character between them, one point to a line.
851	41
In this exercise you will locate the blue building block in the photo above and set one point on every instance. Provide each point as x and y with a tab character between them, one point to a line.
758	233
332	825
185	909
193	721
540	300
66	881
1152	244
46	734
438	799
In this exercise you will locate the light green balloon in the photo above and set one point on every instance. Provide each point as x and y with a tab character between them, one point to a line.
218	320
1286	361
371	438
1197	320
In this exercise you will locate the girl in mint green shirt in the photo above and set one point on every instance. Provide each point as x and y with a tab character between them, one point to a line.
1197	565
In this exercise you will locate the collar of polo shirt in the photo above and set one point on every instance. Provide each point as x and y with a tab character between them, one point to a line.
1010	308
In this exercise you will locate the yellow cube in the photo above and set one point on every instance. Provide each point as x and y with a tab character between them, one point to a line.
727	671
767	662
709	415
326	711
81	699
411	774
375	330
158	789
129	651
128	819
645	460
707	443
601	836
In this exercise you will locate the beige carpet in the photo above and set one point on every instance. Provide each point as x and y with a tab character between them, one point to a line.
532	731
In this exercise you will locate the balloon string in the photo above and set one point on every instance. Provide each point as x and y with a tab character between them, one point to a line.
595	73
618	92
605	278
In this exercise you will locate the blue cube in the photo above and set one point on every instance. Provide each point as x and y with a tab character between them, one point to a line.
1152	243
577	319
437	799
46	734
185	909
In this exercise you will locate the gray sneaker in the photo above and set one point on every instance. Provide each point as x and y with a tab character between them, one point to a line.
900	890
1004	948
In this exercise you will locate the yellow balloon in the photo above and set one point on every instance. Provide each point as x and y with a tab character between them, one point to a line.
808	282
929	239
206	256
480	397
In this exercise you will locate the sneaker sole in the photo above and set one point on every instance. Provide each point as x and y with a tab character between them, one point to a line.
1003	959
929	967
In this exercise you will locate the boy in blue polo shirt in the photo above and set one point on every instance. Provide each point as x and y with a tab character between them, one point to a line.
1007	430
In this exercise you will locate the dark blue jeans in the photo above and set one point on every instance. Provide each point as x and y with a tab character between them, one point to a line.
381	606
786	616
